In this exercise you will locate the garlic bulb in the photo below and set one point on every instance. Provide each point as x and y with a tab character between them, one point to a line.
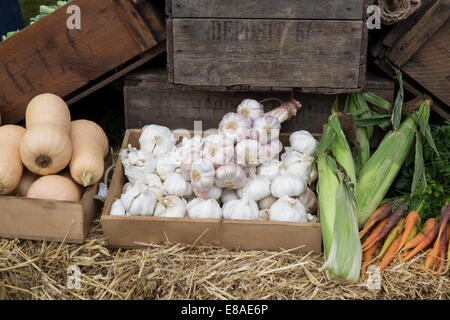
230	176
154	183
117	208
204	209
246	152
268	129
189	145
287	186
288	209
235	126
251	108
139	200
299	164
136	163
250	171
212	193
177	185
269	169
243	209
167	164
270	150
156	140
170	207
218	149
228	195
309	200
257	188
304	142
202	174
264	214
186	163
266	202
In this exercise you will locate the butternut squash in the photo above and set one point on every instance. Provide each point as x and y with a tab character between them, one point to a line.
55	187
90	147
25	182
11	166
46	147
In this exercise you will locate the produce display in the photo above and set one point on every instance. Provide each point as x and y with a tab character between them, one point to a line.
235	172
33	160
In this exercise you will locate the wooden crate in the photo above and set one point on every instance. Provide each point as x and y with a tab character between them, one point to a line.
420	47
136	231
149	98
317	46
48	57
49	220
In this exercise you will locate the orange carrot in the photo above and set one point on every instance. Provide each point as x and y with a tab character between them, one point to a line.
429	237
433	254
371	221
429	224
375	232
367	257
411	220
390	253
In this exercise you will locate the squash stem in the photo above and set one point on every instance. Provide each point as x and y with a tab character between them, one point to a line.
86	178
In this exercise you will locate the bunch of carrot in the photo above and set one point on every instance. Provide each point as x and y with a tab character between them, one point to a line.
401	234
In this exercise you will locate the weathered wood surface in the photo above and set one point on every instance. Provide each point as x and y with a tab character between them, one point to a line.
150	99
262	52
126	231
284	9
47	57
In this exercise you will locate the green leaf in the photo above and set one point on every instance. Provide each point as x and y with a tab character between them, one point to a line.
372	121
422	120
398	103
326	140
377	101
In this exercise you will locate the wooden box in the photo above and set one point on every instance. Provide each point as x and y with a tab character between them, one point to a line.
49	220
136	231
48	57
420	47
149	98
317	46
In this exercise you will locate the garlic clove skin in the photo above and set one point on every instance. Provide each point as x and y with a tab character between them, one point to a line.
303	141
247	152
243	209
176	185
230	176
270	151
266	202
202	174
186	163
143	204
257	188
251	108
269	169
129	195
194	144
170	207
136	163
235	126
218	149
250	171
156	140
204	209
312	218
167	164
268	128
228	195
213	193
264	214
288	209
287	185
309	200
117	208
154	183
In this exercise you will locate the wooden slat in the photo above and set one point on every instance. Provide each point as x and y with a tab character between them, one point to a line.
47	57
430	66
283	9
415	38
306	54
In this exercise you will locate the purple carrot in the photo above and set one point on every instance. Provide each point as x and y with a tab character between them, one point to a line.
445	215
392	221
373	221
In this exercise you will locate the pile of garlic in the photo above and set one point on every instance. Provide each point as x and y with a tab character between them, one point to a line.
234	173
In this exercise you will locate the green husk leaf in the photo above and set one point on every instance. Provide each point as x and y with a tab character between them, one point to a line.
398	103
419	167
422	118
377	101
372	120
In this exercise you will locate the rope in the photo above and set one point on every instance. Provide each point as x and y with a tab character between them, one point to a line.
394	11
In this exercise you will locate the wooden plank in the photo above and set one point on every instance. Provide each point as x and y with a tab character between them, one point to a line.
126	231
283	53
268	9
415	38
430	66
59	60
